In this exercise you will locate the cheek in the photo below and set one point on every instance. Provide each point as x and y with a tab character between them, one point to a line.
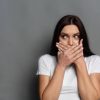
62	40
65	42
76	42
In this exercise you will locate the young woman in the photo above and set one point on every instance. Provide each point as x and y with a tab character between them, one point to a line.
70	71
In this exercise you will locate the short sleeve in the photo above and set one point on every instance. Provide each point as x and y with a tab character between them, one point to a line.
43	68
95	64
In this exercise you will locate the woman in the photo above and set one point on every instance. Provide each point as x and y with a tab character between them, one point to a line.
70	71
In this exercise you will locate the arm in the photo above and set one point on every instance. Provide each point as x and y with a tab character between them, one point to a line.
89	86
50	89
95	78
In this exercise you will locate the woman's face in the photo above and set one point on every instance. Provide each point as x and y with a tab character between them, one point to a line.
70	35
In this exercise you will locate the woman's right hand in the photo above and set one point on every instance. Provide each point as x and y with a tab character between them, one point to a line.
68	54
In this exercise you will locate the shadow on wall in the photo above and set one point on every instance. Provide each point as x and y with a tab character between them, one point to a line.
35	87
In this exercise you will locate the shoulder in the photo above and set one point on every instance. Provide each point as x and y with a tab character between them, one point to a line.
46	57
46	64
93	62
93	58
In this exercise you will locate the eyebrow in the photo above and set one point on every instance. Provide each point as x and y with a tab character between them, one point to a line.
67	33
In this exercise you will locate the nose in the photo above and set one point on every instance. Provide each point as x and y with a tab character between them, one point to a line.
70	41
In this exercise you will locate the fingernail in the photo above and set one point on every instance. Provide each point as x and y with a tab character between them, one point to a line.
57	43
81	40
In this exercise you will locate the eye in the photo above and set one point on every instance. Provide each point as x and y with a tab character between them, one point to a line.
64	36
76	36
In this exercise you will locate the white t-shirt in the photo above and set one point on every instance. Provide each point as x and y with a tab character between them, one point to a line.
69	91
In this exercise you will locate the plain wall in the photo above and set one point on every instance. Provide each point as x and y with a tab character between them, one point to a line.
26	30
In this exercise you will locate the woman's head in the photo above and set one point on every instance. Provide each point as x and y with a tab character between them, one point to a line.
69	35
70	30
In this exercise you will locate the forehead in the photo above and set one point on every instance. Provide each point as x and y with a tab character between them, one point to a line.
70	29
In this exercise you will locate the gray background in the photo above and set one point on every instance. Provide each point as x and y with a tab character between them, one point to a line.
26	29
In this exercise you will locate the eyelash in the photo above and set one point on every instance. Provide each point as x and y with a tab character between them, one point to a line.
63	36
76	36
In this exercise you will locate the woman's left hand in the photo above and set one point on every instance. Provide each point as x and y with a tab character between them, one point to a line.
81	58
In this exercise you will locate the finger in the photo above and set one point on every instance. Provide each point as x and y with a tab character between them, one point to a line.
76	48
72	47
61	46
77	57
81	42
67	46
59	52
77	52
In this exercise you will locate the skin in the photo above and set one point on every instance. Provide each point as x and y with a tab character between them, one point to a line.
70	50
70	45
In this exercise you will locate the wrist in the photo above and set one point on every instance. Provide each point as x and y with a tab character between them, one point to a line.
61	67
80	61
80	65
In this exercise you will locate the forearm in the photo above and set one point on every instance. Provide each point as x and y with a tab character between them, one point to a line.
54	87
87	90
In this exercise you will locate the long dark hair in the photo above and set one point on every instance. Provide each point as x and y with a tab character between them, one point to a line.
68	20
